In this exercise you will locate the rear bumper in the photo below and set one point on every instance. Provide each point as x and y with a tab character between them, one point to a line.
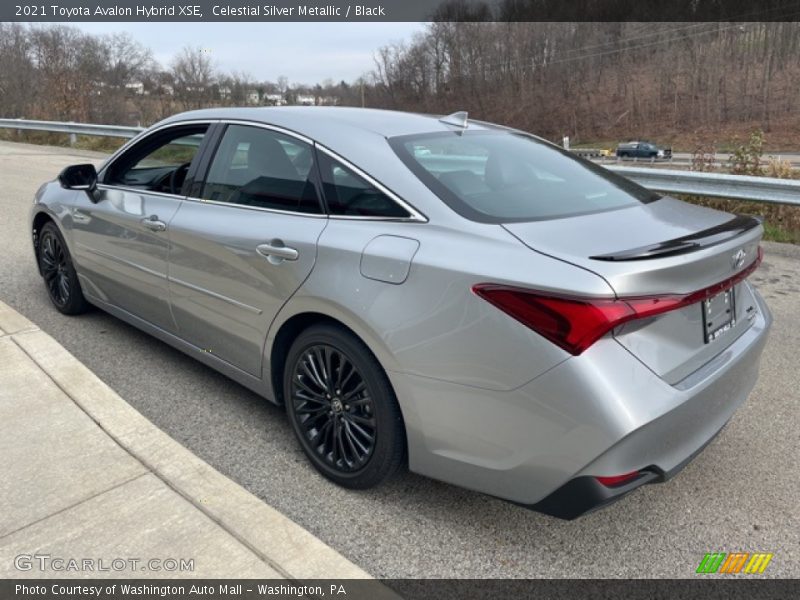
600	414
585	494
663	447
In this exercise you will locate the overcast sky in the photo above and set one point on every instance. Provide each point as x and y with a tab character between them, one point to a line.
304	52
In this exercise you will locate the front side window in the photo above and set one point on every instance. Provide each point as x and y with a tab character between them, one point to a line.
496	177
160	162
259	167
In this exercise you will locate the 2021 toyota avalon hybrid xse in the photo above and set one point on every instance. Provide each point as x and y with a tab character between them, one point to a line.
457	296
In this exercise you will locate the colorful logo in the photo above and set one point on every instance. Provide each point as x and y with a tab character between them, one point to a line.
735	562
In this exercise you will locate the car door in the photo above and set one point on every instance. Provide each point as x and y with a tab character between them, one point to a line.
246	244
121	236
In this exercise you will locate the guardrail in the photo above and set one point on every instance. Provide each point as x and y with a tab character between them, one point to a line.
716	185
72	128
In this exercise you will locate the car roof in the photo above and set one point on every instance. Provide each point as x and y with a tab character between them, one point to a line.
321	122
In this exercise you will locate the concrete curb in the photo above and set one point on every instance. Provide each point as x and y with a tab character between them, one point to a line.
279	542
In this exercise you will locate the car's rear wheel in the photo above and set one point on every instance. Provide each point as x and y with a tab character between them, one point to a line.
342	408
59	273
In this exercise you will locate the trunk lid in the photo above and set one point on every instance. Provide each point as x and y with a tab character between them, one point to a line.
662	248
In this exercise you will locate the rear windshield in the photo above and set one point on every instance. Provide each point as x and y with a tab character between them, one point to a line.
500	177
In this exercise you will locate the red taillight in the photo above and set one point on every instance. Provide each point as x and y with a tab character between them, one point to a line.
572	323
615	480
575	323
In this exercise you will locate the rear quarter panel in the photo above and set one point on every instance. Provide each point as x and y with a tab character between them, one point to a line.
432	324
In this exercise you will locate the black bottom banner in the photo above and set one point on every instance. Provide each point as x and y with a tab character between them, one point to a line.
251	589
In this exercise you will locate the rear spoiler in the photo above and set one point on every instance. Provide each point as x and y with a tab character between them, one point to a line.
688	243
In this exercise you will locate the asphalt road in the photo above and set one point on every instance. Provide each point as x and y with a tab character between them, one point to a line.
741	494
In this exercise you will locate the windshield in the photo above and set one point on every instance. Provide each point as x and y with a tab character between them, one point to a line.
498	177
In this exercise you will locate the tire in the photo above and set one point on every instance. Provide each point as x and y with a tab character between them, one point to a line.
58	272
353	434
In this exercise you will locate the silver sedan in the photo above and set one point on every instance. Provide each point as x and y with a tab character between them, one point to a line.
464	299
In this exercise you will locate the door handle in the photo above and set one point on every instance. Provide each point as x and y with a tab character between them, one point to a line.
276	251
153	224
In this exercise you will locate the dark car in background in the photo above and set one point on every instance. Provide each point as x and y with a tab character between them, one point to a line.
643	150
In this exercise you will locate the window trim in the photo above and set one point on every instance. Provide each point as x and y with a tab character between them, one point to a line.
103	171
134	190
200	178
414	215
201	151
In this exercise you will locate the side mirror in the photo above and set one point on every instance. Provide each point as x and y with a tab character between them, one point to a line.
79	177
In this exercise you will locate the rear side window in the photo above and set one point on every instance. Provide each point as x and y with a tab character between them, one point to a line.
259	167
349	194
496	177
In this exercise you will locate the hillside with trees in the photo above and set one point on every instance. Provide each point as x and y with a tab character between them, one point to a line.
604	81
680	83
60	73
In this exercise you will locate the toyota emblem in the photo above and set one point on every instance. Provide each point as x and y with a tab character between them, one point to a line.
737	260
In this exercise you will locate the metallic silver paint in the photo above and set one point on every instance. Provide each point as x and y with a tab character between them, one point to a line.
120	255
235	290
488	404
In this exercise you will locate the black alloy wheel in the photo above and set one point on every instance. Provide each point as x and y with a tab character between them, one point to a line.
334	408
58	272
342	408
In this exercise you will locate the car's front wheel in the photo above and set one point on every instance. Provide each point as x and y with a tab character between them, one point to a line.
60	278
342	408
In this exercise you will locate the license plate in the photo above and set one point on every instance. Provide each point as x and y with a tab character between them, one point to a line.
719	315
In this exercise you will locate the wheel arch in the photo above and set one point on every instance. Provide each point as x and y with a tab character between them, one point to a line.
39	220
305	313
283	334
284	337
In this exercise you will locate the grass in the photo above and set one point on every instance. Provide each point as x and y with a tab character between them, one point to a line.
773	233
781	221
98	144
82	142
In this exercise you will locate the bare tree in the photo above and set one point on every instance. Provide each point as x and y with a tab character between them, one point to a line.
16	70
68	67
596	80
193	75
